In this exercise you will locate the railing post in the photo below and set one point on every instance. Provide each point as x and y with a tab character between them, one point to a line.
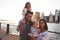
7	30
0	38
0	26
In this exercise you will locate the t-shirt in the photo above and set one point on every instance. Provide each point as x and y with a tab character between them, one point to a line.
25	31
19	25
25	10
34	31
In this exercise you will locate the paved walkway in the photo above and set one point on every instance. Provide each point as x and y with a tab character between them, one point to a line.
8	37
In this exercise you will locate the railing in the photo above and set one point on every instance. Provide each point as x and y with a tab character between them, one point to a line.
0	26
8	28
7	31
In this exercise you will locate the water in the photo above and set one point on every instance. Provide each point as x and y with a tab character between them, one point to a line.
55	27
12	29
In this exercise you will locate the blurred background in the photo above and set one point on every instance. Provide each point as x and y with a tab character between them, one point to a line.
11	9
11	13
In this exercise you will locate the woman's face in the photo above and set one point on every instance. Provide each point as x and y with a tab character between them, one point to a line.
41	24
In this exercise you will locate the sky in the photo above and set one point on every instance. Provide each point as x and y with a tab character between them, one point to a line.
12	9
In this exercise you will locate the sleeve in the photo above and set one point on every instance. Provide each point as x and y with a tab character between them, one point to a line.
45	38
30	33
18	26
34	32
24	11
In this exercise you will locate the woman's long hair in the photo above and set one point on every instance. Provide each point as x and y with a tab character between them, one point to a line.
45	27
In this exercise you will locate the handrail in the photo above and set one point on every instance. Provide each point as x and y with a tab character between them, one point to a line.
8	25
7	30
54	32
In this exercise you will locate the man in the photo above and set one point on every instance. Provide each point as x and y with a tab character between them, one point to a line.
25	26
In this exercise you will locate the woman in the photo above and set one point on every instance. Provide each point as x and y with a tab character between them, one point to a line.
43	35
26	8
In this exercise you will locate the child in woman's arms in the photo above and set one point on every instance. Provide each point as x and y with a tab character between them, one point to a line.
34	30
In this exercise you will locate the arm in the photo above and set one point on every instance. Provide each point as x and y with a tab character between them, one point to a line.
24	11
20	26
34	31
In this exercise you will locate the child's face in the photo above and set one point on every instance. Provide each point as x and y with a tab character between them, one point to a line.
28	5
41	24
23	14
35	24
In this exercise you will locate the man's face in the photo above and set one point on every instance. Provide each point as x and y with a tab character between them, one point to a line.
28	17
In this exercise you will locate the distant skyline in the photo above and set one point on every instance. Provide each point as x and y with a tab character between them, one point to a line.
12	9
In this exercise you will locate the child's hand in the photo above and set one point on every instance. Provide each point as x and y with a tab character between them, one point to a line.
32	37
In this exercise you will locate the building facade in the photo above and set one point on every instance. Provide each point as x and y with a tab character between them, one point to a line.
42	15
51	17
56	15
46	18
59	16
36	16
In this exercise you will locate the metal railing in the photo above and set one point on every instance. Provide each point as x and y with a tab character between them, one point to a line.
8	28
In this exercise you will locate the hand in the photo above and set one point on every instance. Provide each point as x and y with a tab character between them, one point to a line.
23	22
21	27
32	37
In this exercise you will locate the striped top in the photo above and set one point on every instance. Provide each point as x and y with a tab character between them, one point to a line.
43	36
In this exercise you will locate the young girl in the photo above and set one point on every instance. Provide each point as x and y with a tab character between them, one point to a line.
43	35
34	31
26	8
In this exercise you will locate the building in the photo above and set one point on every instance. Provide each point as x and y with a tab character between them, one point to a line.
46	18
51	17
56	15
59	16
42	15
36	16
